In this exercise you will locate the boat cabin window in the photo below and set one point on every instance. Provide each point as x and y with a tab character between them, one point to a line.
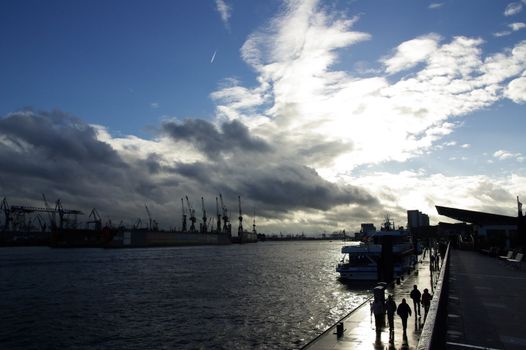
357	260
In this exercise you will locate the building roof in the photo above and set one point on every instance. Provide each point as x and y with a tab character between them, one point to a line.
476	217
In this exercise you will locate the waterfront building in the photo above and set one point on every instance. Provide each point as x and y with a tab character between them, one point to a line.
489	230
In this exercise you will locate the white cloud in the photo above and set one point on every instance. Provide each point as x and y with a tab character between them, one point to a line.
420	190
516	90
517	26
411	52
513	26
501	34
154	105
513	8
300	100
503	155
224	10
435	5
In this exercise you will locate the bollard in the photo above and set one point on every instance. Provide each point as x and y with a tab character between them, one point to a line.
339	329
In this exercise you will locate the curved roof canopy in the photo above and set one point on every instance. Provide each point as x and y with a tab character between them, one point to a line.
476	217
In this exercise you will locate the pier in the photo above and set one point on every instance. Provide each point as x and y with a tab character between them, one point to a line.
478	303
359	325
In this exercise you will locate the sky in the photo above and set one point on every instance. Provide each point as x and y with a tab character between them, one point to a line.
320	115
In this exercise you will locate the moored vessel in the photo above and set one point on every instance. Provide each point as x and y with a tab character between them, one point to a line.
363	260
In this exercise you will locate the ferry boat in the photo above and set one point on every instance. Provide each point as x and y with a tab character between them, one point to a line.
360	260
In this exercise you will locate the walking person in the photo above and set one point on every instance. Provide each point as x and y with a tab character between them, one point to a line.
404	311
426	302
377	309
390	305
415	295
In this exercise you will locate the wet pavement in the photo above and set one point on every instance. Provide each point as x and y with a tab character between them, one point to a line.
360	330
486	304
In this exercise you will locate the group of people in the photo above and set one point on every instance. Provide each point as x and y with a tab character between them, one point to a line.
403	309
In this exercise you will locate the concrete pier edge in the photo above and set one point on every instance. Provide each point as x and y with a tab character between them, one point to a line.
328	330
432	334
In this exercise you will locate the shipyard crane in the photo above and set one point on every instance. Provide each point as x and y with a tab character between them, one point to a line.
95	219
51	213
7	214
149	217
41	222
204	228
254	223
218	229
191	211
60	210
184	215
61	213
240	227
138	224
152	224
226	221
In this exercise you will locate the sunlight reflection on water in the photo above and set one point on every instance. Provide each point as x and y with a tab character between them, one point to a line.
267	295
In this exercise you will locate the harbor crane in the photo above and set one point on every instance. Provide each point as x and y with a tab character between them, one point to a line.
191	211
218	229
51	214
184	215
254	223
7	214
204	227
152	224
138	224
240	227
95	219
149	217
227	228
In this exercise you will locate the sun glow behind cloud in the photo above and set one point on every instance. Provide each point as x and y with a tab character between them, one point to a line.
302	100
313	144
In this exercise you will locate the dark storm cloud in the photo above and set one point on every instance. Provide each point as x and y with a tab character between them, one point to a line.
56	154
293	186
207	138
56	135
275	189
61	156
323	152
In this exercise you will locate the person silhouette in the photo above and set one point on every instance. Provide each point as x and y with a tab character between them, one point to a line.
415	295
390	306
426	301
404	311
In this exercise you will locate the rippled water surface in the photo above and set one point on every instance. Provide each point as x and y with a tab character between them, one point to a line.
268	295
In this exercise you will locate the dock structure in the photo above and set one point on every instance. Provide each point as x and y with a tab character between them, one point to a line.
478	303
359	330
486	305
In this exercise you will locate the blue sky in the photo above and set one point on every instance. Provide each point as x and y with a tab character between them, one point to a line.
320	114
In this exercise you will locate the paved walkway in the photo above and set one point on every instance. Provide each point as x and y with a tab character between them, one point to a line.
360	332
487	303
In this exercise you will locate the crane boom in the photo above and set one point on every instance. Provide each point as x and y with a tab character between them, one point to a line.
149	217
226	220
192	215
218	216
240	227
184	215
204	227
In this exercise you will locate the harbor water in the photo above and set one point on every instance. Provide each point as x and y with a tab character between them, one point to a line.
269	295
